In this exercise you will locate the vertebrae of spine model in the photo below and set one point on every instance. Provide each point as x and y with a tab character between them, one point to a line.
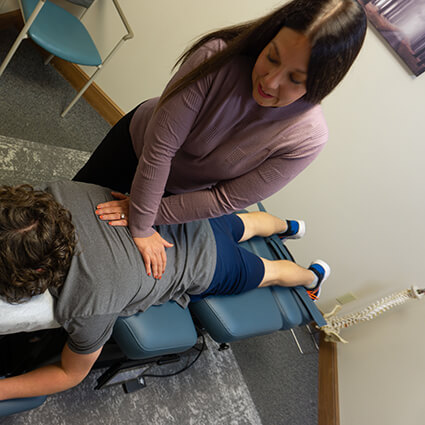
336	323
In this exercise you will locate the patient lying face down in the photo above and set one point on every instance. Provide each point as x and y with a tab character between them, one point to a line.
52	240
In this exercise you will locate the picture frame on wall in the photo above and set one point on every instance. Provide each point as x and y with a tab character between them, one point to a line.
402	24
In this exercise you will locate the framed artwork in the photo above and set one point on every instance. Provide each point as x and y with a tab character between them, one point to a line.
402	24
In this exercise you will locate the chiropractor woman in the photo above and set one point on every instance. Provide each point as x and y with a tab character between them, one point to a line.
238	121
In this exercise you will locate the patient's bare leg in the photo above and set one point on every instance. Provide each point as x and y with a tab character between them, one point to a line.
260	223
286	273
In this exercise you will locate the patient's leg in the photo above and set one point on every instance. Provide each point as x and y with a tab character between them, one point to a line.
287	273
260	223
239	270
284	272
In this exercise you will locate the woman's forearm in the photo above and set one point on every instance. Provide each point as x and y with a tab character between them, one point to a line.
231	195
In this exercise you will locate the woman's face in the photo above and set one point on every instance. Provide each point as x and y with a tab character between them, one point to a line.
280	74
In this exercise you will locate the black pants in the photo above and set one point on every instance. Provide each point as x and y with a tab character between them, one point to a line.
114	162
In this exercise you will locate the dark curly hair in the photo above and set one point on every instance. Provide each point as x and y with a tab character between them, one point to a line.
37	242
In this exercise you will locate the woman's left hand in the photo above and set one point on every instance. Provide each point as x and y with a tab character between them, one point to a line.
115	212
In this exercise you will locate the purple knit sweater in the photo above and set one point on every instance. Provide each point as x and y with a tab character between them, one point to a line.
215	148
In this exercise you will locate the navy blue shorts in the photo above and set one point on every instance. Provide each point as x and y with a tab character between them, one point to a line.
237	270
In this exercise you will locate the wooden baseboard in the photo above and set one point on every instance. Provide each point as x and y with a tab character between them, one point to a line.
94	95
328	383
10	19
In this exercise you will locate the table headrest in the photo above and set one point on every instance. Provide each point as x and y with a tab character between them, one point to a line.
35	314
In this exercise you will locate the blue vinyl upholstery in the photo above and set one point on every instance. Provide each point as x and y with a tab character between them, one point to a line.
291	308
160	330
232	317
258	312
9	407
61	34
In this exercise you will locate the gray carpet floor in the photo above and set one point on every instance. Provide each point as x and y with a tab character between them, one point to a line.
32	97
282	383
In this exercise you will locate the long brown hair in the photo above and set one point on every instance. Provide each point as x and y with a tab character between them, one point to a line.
335	28
37	242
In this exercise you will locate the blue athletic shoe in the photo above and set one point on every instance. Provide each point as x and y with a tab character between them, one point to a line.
296	230
322	271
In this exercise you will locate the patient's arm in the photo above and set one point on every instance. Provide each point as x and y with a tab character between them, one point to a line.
71	370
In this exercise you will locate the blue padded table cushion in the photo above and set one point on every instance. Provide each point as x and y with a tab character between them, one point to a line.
9	407
61	33
232	317
160	330
291	308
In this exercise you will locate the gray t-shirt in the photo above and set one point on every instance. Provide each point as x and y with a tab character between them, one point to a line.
107	277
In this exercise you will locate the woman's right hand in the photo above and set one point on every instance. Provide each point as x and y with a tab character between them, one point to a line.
152	249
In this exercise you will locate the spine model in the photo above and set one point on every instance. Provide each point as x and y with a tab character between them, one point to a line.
336	323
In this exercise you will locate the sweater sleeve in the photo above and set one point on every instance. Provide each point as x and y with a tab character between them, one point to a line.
165	134
235	194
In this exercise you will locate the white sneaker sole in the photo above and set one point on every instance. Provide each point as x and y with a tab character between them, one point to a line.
327	270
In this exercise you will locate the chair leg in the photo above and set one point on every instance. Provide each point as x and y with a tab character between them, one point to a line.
312	337
22	35
296	341
48	59
81	92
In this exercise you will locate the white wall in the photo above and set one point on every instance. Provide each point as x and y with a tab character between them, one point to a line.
362	198
163	29
8	5
364	205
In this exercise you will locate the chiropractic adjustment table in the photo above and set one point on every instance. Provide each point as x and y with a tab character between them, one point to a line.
163	334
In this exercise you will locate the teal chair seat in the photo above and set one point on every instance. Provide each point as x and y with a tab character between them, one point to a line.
61	34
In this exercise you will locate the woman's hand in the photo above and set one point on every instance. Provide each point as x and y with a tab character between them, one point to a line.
116	212
152	249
